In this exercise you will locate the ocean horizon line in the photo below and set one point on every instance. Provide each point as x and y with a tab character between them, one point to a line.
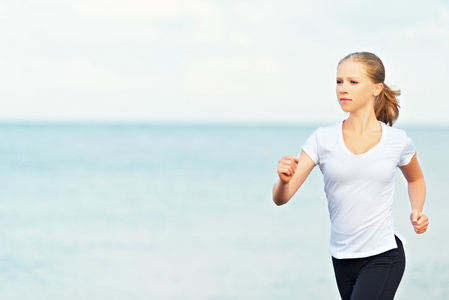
194	124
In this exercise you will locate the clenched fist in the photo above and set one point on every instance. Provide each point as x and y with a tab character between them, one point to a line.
287	167
419	221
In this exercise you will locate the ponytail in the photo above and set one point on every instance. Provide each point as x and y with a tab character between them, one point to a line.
387	105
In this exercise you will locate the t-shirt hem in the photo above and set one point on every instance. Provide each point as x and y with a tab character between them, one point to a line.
310	154
407	160
340	255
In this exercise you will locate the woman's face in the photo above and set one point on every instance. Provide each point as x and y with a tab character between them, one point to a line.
355	90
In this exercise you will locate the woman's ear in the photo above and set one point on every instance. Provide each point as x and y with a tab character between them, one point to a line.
378	89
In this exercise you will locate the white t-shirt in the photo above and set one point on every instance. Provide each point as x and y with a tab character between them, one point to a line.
359	189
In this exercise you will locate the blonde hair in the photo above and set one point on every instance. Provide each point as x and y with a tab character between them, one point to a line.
386	105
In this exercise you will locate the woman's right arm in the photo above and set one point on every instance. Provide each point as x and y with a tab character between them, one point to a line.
292	173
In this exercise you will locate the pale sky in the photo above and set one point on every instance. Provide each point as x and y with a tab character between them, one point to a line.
219	61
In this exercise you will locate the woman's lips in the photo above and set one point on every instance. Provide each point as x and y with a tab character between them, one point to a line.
345	100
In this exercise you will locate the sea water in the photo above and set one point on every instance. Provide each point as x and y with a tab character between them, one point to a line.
185	212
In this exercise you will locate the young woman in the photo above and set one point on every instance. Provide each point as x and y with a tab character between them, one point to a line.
359	158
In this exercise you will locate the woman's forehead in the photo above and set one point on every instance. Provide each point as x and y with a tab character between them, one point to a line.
350	68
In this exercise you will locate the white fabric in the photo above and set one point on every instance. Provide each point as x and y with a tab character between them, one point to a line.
359	189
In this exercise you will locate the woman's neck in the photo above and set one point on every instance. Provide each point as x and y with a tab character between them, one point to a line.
361	123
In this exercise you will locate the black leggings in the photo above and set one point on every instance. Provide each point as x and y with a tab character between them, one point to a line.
371	278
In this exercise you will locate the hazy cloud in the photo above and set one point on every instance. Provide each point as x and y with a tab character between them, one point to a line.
241	77
156	59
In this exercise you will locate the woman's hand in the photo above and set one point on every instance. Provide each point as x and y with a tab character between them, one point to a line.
287	167
419	221
285	187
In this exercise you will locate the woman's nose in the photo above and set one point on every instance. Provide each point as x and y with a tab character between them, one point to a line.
341	88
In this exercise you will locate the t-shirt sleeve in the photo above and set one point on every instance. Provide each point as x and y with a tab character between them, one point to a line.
310	147
407	153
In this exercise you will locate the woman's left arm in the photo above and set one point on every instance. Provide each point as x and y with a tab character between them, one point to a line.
417	193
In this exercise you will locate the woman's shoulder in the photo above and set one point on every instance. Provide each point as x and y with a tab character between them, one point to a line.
394	131
395	135
325	134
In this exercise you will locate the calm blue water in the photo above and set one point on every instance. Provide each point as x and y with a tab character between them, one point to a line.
184	212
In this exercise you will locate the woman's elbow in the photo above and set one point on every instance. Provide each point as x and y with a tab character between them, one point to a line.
280	202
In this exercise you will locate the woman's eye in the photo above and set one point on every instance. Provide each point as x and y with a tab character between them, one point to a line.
339	81
354	82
